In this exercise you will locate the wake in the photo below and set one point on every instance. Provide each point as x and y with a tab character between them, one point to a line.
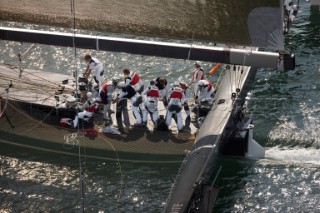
299	155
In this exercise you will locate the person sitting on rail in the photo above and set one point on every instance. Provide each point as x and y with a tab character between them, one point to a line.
96	65
205	91
128	92
163	87
151	95
87	109
197	75
176	99
133	79
106	95
185	86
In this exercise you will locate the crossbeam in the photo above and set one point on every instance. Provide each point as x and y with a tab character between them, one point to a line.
225	55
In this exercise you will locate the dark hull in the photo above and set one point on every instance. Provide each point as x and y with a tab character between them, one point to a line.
214	138
38	127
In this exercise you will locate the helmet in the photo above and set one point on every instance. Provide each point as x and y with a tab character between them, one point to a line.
197	63
89	95
176	84
115	79
294	7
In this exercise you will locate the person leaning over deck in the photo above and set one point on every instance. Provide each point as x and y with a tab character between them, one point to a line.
163	87
205	91
176	99
87	109
150	105
106	95
133	79
128	92
197	75
185	86
96	66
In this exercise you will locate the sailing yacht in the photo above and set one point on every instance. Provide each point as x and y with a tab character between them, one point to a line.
226	129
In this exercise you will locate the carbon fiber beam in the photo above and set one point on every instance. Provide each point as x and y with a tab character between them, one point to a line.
153	48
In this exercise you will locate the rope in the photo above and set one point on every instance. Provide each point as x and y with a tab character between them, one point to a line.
5	105
189	53
73	12
120	169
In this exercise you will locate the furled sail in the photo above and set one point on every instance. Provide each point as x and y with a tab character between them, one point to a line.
241	22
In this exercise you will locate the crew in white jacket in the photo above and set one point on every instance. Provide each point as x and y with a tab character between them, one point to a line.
96	66
151	95
197	76
176	99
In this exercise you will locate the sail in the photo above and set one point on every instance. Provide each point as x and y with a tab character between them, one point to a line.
241	22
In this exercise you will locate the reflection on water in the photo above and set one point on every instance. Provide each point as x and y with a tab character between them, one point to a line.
47	182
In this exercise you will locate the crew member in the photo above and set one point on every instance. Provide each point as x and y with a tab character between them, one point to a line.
197	75
151	103
176	99
163	88
185	86
106	95
128	92
87	109
95	90
291	10
204	91
96	66
133	79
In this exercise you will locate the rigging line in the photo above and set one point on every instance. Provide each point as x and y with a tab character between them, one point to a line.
229	71
11	105
20	56
189	53
29	73
5	105
120	168
40	122
230	77
35	85
27	51
235	75
244	62
73	12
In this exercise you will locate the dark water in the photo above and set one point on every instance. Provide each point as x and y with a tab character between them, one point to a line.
286	108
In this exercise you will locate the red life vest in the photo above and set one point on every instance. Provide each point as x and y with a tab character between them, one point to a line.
176	93
210	86
196	74
91	108
153	92
134	78
104	87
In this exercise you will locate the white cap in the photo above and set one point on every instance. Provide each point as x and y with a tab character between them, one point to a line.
176	83
89	95
115	79
197	63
